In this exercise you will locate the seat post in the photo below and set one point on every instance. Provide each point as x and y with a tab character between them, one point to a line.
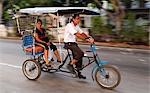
69	54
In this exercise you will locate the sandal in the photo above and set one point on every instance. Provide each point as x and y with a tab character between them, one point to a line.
49	65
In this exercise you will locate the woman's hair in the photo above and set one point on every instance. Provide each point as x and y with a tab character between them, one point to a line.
39	20
74	16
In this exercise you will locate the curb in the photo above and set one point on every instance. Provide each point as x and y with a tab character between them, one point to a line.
122	46
11	38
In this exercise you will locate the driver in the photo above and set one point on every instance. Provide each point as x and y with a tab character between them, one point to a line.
72	30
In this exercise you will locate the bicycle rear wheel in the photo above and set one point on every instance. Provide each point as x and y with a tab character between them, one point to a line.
31	69
111	79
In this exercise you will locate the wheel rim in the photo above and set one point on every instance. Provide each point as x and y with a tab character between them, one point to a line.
30	69
110	80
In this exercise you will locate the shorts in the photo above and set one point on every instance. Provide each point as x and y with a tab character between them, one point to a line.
76	51
53	47
43	45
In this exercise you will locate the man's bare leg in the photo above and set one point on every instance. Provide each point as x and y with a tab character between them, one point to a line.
74	61
71	68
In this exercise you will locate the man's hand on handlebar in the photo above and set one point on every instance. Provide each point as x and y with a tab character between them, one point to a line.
90	40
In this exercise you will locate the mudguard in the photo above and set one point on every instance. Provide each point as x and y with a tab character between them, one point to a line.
102	62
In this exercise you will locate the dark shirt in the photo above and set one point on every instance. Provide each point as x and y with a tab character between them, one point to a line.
42	35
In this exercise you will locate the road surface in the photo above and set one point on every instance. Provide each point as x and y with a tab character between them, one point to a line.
132	63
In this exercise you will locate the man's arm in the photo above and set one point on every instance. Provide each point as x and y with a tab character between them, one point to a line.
81	35
84	37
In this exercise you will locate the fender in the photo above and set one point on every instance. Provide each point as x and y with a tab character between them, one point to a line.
101	62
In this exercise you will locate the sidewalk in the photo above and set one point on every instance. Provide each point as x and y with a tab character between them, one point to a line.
108	44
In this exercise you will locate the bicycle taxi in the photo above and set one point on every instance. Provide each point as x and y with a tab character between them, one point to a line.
105	75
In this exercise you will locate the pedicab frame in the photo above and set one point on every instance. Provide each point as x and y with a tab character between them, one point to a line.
56	12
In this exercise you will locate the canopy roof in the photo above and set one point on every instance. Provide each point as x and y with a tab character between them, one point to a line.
60	10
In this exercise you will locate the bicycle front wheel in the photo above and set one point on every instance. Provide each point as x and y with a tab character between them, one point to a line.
31	69
108	76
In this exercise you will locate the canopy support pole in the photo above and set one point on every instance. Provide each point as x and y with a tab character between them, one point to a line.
59	42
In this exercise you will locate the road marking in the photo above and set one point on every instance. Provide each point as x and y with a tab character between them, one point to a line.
142	60
9	65
124	53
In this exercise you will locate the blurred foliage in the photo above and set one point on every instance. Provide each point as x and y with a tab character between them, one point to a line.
127	3
132	33
98	26
17	4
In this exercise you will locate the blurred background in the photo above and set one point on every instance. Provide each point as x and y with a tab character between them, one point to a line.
120	21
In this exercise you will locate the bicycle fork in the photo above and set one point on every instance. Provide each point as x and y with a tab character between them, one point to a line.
99	65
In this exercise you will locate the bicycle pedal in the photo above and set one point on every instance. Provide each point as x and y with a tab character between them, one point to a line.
47	67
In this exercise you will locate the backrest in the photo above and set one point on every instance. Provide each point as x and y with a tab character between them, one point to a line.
27	41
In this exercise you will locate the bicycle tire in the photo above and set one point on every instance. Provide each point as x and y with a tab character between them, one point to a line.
110	70
27	72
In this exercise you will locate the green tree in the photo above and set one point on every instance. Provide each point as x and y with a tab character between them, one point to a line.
118	12
13	4
98	26
133	33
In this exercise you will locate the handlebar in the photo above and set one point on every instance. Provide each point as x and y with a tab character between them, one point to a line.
93	47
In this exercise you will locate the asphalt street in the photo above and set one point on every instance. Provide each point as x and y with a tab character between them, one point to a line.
133	65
